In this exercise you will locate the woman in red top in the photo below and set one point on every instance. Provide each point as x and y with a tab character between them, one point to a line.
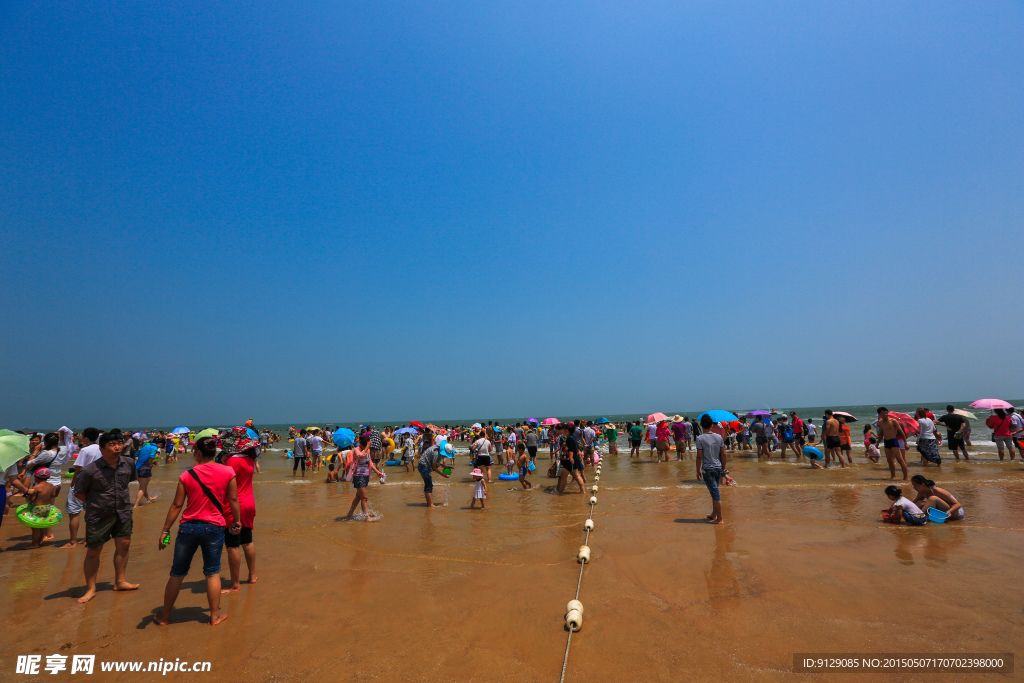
243	462
202	491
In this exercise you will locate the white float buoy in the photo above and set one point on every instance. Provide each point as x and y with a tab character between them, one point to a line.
593	489
574	605
584	554
588	525
593	500
597	478
574	620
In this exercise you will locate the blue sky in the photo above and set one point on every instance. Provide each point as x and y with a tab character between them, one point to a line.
346	211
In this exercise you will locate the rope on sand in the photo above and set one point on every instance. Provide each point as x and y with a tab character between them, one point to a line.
574	610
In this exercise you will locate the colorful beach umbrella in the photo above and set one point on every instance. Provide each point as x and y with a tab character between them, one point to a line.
601	421
551	421
659	417
758	413
417	424
990	404
252	434
849	418
965	413
477	425
13	447
207	432
180	430
343	438
407	430
719	416
531	420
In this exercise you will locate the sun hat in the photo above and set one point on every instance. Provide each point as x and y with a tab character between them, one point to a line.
447	449
42	473
476	473
676	418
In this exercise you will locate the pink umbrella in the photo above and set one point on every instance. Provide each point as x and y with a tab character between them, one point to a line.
851	418
656	417
990	404
551	421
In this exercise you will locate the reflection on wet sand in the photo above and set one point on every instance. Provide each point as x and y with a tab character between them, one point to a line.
803	564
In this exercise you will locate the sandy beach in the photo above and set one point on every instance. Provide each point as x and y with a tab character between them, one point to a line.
803	565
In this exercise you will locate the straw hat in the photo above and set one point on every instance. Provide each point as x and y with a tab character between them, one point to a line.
677	418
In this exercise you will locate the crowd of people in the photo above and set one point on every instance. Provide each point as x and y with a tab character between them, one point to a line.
215	501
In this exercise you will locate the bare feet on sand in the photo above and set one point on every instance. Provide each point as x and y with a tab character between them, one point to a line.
217	618
125	586
89	595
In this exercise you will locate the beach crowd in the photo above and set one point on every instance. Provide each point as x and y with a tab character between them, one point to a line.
215	502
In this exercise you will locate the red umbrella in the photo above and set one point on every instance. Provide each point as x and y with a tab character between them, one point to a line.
909	424
417	424
656	417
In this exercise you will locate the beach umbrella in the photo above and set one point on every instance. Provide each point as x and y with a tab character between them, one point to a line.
601	421
532	420
13	447
758	413
417	424
180	430
251	434
659	417
719	416
965	413
406	430
850	418
909	424
343	438
207	432
141	436
477	425
990	404
552	421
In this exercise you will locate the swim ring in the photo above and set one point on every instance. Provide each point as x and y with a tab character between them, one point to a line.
508	477
813	453
392	462
26	516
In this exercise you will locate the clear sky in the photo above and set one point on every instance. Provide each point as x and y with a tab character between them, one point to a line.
330	210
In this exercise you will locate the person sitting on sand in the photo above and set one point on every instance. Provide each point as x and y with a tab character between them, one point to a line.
902	509
479	489
874	455
360	466
711	466
203	491
40	496
931	496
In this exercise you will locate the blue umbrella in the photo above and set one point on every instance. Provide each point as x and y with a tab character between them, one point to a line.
601	421
719	416
407	430
251	434
343	438
180	430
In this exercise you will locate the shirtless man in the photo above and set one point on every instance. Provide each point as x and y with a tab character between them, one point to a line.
832	441
894	439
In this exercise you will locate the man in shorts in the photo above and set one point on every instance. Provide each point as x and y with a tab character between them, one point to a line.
102	487
956	426
589	439
636	436
833	442
89	453
481	450
760	432
798	433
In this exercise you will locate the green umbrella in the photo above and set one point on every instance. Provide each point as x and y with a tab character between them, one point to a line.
207	432
13	447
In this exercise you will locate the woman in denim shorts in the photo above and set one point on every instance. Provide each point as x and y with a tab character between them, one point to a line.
202	491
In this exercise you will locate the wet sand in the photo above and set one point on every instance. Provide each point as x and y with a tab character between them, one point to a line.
802	565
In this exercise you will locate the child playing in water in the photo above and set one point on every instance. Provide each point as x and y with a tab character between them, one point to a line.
874	455
332	475
480	490
523	461
40	496
902	509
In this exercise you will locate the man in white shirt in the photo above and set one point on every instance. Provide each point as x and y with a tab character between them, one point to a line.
90	452
589	437
652	434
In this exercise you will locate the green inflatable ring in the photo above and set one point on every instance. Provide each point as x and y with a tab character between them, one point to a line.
25	516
